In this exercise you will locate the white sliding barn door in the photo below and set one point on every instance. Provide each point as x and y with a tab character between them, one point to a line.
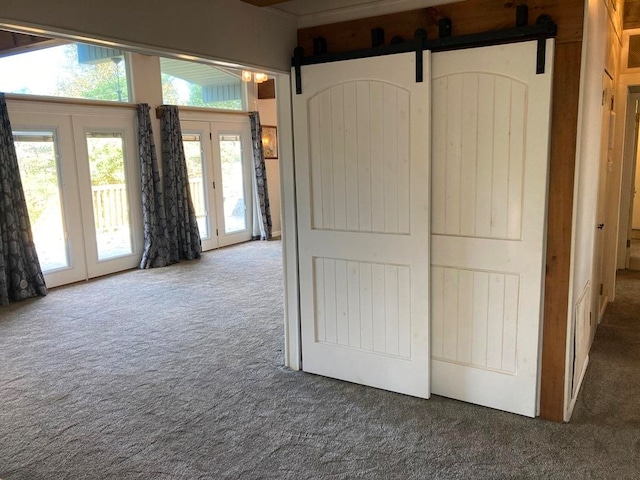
362	177
490	135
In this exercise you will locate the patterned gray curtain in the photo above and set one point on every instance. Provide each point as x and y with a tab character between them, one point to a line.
156	235
184	236
20	273
261	191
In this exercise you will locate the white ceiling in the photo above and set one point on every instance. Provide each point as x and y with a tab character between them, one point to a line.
198	73
320	12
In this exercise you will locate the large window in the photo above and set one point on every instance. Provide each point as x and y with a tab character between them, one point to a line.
74	70
198	85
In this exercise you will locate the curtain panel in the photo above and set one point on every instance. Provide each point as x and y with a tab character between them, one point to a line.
156	235
20	272
184	236
260	180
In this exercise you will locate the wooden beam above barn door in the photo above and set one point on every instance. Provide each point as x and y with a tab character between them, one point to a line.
543	29
264	3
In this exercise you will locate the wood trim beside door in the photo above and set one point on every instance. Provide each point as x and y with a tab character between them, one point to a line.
564	131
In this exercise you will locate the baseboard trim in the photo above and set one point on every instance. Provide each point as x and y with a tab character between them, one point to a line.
603	309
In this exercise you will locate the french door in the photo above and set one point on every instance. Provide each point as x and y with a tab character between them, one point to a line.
109	193
79	173
218	158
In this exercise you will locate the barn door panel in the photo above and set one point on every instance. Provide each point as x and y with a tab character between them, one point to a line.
362	177
491	114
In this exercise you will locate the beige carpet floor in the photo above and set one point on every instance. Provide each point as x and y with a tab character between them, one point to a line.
177	373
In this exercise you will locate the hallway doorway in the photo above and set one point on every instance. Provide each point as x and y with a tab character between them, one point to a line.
634	253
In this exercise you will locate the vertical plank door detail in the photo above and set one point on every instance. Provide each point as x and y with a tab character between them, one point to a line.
359	155
490	156
362	161
478	161
349	315
483	309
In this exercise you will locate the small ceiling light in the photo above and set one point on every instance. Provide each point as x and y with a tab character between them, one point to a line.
260	77
246	76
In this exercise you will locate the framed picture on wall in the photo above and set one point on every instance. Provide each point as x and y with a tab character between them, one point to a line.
270	141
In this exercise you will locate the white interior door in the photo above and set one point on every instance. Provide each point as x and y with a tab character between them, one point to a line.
362	176
489	187
635	223
633	193
606	152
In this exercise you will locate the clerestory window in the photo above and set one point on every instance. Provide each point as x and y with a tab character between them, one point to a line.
72	70
200	85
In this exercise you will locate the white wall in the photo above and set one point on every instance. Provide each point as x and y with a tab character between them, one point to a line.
146	87
226	30
269	116
587	165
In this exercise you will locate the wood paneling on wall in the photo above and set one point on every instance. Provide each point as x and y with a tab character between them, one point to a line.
472	16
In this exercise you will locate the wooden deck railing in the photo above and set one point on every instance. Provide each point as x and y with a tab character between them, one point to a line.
111	206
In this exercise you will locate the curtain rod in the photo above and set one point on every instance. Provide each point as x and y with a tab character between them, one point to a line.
160	111
103	103
68	101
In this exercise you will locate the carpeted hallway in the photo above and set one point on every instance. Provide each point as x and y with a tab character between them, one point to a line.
177	373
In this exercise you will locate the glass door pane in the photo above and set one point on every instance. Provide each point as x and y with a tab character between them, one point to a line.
232	183
195	170
109	194
37	160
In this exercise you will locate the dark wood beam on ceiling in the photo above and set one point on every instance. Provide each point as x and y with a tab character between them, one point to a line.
12	43
264	3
